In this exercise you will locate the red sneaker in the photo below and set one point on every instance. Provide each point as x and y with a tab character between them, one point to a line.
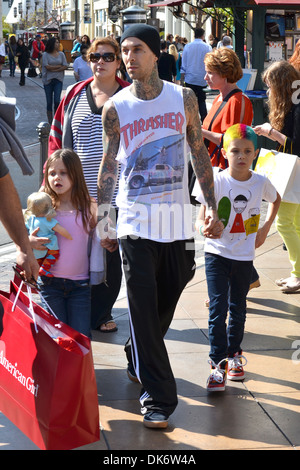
217	380
236	367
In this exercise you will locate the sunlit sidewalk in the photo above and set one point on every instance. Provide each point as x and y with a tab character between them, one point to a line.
261	413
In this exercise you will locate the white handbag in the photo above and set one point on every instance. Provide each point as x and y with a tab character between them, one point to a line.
283	170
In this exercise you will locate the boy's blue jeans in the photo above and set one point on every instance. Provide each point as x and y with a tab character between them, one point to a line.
228	284
69	300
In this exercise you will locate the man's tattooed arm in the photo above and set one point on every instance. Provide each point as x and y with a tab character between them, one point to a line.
108	171
199	155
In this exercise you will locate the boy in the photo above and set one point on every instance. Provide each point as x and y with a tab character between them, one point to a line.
229	257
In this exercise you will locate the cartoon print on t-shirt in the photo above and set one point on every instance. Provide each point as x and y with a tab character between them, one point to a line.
156	167
251	224
239	202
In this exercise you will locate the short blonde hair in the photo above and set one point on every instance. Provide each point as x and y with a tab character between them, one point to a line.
225	62
40	205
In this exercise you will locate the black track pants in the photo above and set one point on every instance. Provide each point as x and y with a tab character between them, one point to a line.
156	274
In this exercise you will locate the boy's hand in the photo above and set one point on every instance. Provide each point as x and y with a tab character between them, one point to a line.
261	236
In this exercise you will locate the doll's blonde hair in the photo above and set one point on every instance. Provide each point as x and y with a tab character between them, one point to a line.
40	205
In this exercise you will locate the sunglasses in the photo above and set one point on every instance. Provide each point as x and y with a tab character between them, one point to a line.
107	57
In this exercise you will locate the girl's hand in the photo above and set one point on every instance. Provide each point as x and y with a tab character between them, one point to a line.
265	130
109	244
38	243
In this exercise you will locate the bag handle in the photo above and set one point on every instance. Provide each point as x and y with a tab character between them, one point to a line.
283	147
30	308
227	97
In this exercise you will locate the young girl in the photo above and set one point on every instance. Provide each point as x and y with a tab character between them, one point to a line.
68	291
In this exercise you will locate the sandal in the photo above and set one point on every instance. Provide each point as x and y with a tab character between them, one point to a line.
281	282
108	327
288	288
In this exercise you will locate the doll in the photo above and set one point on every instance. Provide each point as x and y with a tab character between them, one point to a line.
40	214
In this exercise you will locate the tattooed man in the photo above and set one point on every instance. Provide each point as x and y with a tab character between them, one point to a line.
147	130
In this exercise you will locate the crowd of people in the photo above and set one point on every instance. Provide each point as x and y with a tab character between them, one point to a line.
110	143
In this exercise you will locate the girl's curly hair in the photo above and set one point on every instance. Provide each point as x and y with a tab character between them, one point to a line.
281	78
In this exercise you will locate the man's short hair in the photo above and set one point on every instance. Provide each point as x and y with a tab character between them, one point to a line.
199	32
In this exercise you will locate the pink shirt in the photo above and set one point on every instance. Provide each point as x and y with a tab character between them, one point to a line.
73	262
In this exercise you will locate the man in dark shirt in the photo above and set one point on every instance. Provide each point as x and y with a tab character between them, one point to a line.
166	64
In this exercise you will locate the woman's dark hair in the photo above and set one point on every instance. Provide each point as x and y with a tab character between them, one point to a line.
50	45
88	41
84	47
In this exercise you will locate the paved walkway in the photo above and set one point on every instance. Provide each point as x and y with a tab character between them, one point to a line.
261	413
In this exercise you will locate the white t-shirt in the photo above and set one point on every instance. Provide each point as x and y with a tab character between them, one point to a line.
153	196
239	206
83	68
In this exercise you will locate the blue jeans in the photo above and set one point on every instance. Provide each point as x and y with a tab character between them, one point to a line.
12	65
53	92
228	284
69	300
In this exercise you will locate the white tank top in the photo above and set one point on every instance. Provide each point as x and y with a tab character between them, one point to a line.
153	196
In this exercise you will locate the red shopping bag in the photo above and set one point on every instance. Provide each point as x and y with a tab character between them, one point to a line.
47	378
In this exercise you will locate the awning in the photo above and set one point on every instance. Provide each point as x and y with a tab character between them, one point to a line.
167	3
277	3
51	27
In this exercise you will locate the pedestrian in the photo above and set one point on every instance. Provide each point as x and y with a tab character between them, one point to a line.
212	41
78	125
54	66
169	39
283	128
38	47
177	56
23	55
231	106
227	42
2	56
12	47
81	66
166	64
67	291
192	68
75	52
178	42
220	43
222	71
147	127
229	259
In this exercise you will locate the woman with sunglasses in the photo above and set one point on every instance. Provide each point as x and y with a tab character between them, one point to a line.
77	125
